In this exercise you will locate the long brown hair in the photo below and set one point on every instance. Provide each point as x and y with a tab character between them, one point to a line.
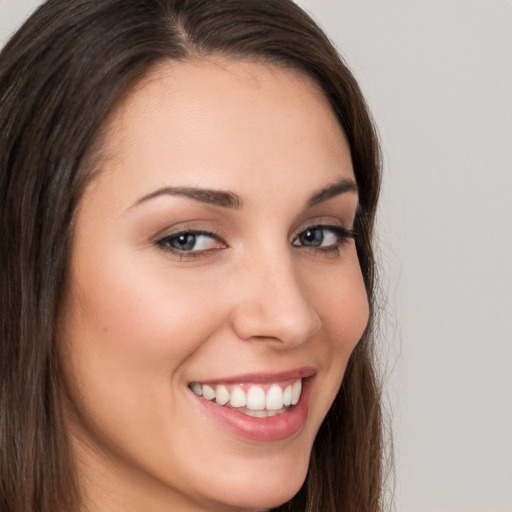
60	76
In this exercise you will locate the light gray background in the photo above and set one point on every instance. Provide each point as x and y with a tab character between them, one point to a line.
438	78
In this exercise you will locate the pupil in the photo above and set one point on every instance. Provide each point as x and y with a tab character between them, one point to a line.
312	237
184	242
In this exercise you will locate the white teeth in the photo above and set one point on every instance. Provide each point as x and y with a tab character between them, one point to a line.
255	401
274	400
222	395
196	388
238	398
208	392
257	414
287	395
297	388
264	414
256	398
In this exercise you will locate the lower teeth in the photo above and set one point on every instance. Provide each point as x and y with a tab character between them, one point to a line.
259	414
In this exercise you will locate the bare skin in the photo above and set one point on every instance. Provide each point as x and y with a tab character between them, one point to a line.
169	286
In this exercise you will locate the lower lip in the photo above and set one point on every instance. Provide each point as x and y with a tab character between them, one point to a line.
268	429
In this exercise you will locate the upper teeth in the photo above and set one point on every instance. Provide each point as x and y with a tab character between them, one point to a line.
255	398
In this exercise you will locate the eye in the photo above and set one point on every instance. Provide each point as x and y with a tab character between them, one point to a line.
190	242
323	237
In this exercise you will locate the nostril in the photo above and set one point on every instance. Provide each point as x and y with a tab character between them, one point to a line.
270	302
289	322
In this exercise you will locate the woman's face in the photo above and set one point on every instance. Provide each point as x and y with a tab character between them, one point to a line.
212	255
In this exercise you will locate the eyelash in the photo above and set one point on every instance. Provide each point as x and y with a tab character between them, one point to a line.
164	244
343	235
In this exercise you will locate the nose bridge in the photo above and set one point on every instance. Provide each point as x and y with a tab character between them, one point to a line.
273	304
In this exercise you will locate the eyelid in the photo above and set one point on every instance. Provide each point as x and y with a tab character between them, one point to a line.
339	230
325	223
199	226
342	236
163	238
196	232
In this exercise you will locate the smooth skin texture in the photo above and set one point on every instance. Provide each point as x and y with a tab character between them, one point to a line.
146	312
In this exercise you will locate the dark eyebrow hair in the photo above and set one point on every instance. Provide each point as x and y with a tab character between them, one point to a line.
340	187
232	200
215	197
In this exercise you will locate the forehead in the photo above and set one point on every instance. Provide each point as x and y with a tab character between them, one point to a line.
212	122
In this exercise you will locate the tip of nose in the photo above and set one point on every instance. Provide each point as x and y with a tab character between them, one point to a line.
290	329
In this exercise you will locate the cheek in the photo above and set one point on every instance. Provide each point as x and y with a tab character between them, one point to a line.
341	302
126	336
144	314
349	324
125	344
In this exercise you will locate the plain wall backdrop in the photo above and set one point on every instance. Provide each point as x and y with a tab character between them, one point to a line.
438	78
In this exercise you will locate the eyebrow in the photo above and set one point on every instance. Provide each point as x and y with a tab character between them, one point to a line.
214	197
340	187
226	199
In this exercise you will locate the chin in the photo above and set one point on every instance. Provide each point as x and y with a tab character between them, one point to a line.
264	490
264	483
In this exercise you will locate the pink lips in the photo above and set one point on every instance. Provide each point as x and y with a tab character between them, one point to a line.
264	378
267	429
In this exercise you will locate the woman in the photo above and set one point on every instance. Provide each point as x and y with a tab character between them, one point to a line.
188	191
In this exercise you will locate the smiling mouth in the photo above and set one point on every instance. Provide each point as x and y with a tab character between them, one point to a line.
254	400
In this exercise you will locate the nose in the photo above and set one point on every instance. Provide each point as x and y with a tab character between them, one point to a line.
272	304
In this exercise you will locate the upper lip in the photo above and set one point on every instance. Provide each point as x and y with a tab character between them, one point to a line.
263	377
